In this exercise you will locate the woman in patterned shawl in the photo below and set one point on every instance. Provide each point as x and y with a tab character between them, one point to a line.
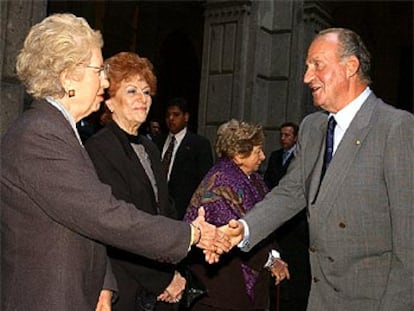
231	188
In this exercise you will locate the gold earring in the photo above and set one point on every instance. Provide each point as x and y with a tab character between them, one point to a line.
71	93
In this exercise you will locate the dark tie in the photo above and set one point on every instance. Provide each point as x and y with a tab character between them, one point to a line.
166	160
328	151
329	144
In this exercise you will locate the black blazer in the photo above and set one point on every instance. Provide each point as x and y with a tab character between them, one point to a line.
275	168
118	165
192	161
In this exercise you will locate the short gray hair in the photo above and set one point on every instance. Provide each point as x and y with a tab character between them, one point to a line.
238	138
59	42
352	44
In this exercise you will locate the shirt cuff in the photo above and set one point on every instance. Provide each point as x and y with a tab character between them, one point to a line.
273	256
246	237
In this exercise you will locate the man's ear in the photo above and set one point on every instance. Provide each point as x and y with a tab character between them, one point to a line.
352	66
186	116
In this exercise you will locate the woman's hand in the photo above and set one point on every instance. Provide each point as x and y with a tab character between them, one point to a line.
174	292
280	271
104	301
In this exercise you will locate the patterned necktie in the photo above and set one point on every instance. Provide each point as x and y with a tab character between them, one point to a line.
166	160
329	144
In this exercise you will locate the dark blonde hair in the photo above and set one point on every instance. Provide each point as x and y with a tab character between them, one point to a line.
123	67
60	42
238	138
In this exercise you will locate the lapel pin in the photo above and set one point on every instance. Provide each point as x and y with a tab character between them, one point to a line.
357	142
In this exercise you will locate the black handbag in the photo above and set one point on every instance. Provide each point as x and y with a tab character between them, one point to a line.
194	289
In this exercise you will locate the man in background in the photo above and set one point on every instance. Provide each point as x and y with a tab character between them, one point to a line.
186	156
153	130
279	159
292	237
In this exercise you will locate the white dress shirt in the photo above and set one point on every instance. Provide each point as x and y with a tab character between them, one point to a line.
345	116
178	139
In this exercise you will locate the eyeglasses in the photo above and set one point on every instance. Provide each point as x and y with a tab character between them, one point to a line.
101	70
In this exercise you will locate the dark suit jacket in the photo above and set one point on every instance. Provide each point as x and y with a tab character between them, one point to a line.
361	220
57	216
118	165
275	168
192	161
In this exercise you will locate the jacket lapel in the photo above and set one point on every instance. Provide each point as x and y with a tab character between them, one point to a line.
183	148
345	156
316	176
133	161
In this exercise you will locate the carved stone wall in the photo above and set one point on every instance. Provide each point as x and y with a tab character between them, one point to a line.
253	63
17	17
226	53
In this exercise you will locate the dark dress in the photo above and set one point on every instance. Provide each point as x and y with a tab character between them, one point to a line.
238	281
119	166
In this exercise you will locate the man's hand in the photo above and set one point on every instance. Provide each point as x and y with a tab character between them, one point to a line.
105	301
234	230
209	238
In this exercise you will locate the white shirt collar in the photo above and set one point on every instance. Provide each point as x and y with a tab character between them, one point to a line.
292	149
345	116
179	136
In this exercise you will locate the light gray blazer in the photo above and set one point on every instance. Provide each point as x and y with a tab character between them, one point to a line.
362	221
57	218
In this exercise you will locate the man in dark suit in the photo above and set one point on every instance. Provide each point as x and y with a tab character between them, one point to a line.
293	236
356	180
279	159
190	159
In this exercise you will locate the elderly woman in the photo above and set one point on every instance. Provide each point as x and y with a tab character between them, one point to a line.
231	188
57	215
130	163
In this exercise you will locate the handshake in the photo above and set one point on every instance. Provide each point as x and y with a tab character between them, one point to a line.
215	240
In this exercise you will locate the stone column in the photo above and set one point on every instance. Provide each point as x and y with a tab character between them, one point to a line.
278	73
317	16
16	18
